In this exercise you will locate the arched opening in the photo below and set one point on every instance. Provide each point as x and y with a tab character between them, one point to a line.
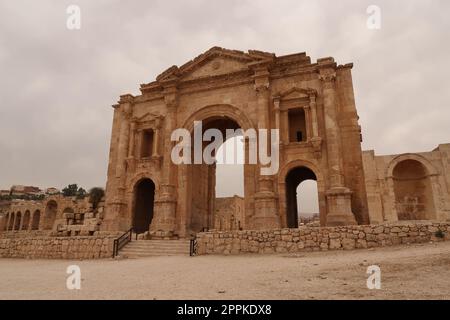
11	221
26	220
294	180
50	214
217	188
308	202
144	198
17	221
229	185
35	221
413	192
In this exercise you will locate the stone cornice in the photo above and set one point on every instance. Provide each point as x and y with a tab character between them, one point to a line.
261	66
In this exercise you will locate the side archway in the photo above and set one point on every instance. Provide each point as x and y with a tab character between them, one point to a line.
290	177
143	205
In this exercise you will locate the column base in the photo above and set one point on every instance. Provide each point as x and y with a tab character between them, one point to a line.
339	207
163	220
266	216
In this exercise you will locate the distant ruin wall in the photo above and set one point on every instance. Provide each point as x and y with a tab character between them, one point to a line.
57	247
320	239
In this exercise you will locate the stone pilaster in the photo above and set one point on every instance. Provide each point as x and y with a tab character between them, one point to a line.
338	196
266	211
164	217
315	140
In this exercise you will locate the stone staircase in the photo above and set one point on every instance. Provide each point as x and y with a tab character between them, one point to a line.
149	248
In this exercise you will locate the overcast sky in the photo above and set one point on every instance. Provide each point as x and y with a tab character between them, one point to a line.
57	86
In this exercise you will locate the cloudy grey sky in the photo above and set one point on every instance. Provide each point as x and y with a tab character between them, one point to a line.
57	86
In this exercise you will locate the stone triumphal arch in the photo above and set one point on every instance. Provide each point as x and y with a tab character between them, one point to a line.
311	103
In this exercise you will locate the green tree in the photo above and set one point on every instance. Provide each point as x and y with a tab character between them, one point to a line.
70	191
81	193
95	196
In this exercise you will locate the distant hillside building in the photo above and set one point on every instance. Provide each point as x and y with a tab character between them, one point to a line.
19	190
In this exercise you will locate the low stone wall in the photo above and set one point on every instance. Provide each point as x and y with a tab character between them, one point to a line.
320	239
25	234
57	247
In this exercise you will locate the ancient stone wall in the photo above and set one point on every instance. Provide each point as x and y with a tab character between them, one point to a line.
57	248
229	213
320	239
62	215
410	186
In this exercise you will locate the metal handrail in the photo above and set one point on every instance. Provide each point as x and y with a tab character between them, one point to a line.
193	246
121	241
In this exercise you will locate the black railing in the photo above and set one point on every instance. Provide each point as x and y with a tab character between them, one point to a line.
193	246
121	241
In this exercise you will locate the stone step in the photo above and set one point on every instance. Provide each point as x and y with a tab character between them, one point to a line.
155	250
156	246
170	242
147	248
150	254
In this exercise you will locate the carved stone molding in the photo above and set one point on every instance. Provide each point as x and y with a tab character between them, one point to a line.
327	77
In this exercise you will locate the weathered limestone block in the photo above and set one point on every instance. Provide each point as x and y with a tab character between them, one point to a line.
348	244
335	243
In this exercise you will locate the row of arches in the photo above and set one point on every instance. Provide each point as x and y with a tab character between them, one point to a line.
29	220
16	221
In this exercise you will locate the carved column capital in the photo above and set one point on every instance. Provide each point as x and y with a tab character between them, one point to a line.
328	77
262	88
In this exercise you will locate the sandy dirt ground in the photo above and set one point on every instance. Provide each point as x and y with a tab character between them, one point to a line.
407	272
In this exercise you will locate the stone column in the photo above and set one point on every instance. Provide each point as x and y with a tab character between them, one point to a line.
314	123
8	222
164	217
308	122
276	107
284	130
266	212
155	142
14	222
315	140
338	196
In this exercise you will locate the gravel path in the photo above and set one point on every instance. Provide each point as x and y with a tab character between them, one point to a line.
407	272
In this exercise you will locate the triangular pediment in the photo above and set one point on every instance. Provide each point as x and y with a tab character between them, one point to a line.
214	62
147	117
297	93
215	66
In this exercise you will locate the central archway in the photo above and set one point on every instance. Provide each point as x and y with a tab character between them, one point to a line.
201	178
144	198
